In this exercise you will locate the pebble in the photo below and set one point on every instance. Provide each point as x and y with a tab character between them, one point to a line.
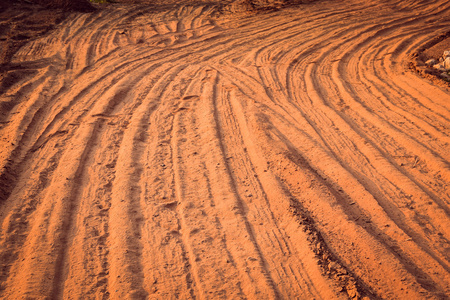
333	266
445	76
439	67
442	64
431	62
447	63
352	292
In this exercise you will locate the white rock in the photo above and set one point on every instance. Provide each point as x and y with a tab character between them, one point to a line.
447	63
431	62
439	66
446	53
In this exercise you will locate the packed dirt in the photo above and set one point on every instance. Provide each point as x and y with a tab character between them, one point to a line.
226	150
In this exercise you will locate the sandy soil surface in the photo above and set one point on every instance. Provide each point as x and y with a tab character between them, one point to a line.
226	151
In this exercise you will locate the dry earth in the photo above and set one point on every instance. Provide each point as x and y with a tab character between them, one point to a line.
212	151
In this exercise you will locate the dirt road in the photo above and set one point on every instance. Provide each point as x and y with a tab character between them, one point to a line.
192	151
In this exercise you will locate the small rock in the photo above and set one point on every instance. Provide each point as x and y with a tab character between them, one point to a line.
341	271
439	67
447	63
319	246
445	76
333	266
352	291
431	62
446	53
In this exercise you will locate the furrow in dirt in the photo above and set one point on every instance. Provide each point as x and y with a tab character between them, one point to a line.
219	150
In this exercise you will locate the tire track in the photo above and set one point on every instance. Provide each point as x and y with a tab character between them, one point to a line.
211	150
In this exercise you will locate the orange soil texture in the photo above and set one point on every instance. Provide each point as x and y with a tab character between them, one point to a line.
201	152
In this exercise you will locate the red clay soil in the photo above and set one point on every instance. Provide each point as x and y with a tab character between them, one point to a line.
225	150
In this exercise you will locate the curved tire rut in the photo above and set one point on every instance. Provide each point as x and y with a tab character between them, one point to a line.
210	151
